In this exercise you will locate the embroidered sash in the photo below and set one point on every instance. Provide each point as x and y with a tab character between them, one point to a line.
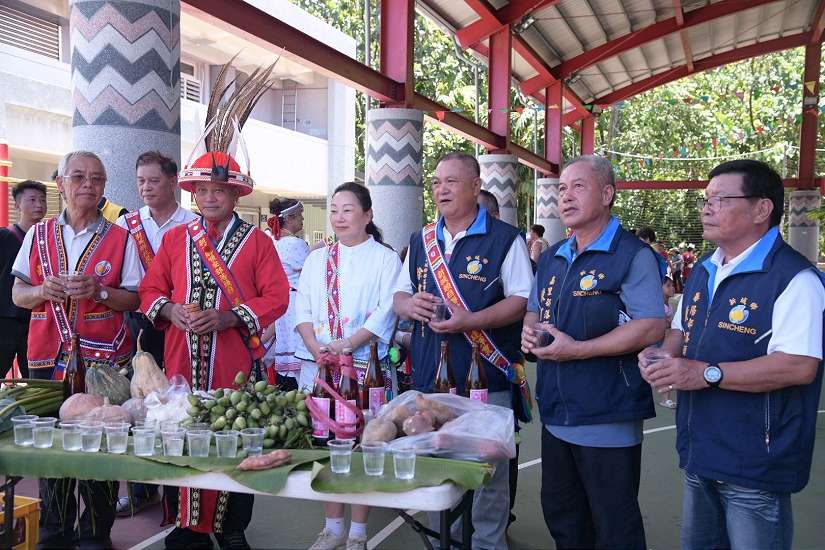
336	328
138	232
449	291
223	277
41	237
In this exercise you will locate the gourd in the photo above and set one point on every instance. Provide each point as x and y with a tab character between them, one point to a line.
109	413
105	381
147	376
78	406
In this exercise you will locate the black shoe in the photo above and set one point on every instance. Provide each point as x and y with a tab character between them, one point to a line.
186	539
232	540
511	519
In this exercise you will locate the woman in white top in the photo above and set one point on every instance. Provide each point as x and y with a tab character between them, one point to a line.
344	301
286	223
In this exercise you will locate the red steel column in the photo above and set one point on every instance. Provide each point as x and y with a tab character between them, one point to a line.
498	93
4	184
810	112
398	45
553	124
588	135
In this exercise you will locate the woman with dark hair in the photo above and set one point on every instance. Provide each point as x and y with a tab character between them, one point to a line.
344	301
287	221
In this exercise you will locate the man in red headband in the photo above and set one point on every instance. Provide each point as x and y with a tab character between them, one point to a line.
214	284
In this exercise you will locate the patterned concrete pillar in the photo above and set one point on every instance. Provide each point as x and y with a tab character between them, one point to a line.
395	138
547	209
125	85
803	232
499	175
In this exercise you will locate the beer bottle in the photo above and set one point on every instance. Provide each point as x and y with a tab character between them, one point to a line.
348	389
373	393
444	379
476	383
74	372
320	396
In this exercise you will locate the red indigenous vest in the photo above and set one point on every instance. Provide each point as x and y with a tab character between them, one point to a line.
102	331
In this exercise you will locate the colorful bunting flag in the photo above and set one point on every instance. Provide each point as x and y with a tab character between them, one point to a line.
740	95
810	86
440	115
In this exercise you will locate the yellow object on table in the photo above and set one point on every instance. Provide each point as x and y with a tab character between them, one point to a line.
27	509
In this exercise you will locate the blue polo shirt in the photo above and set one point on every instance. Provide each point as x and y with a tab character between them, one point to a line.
641	292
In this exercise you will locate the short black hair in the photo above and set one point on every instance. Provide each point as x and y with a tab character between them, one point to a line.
538	229
168	167
758	180
646	233
469	161
488	201
27	184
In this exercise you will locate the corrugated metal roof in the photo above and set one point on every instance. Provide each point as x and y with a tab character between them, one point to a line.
567	29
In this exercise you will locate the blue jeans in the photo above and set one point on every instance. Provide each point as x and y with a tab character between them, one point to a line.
717	514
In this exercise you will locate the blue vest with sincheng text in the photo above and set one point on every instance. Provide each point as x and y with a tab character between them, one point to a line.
476	268
757	440
582	300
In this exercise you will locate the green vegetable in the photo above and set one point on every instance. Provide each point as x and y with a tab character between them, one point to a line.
240	378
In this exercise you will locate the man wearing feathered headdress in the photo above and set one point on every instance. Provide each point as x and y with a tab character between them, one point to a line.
214	283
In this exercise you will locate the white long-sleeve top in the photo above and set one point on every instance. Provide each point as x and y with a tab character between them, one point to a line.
367	275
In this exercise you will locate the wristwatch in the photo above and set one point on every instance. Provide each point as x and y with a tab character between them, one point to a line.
102	294
713	375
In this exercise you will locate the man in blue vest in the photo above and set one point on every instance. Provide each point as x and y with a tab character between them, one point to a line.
747	349
599	295
489	264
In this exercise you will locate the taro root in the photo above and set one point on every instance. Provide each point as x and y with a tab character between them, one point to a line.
399	414
379	429
441	412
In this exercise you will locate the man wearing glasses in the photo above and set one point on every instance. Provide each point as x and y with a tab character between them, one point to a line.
78	273
746	350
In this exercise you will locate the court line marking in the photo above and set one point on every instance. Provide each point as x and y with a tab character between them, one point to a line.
392	526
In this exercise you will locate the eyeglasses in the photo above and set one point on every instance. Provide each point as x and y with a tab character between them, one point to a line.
79	179
716	202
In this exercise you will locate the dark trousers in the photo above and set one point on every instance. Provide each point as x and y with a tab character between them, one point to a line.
151	340
238	511
14	334
589	495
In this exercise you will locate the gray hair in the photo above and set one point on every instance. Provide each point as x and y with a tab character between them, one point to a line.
64	162
600	166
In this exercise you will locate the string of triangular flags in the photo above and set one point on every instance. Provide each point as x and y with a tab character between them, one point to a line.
810	87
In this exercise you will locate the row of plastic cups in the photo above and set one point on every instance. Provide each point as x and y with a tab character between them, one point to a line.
33	431
373	455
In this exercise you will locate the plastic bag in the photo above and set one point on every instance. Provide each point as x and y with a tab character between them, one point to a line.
170	405
473	431
135	407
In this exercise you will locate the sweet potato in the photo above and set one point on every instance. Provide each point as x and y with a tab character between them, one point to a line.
440	412
419	423
398	415
267	461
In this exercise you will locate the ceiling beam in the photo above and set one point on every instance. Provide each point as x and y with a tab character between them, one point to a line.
730	56
818	23
639	37
482	29
692	184
683	36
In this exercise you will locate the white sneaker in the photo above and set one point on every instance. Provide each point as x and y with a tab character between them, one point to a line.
357	543
328	541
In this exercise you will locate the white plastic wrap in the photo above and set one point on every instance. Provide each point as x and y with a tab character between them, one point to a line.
171	405
472	431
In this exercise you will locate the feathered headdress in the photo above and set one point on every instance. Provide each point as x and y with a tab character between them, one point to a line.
226	114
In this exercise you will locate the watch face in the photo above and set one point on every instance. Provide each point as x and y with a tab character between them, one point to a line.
104	295
713	374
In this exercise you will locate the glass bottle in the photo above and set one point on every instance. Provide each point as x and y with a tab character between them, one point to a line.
348	389
322	398
476	383
74	372
373	392
444	379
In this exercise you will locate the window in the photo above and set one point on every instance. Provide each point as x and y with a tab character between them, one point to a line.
29	33
190	85
317	236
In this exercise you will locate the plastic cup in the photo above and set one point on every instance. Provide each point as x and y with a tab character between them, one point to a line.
403	461
192	308
72	436
90	436
543	338
173	441
340	455
69	279
117	437
43	432
373	455
198	442
441	310
227	443
253	441
24	429
143	440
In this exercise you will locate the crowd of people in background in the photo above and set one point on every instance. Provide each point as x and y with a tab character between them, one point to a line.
599	310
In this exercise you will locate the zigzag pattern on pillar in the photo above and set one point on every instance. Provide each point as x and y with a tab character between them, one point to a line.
125	65
394	153
547	201
800	205
500	178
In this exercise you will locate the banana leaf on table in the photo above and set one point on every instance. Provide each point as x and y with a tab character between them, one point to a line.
429	472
